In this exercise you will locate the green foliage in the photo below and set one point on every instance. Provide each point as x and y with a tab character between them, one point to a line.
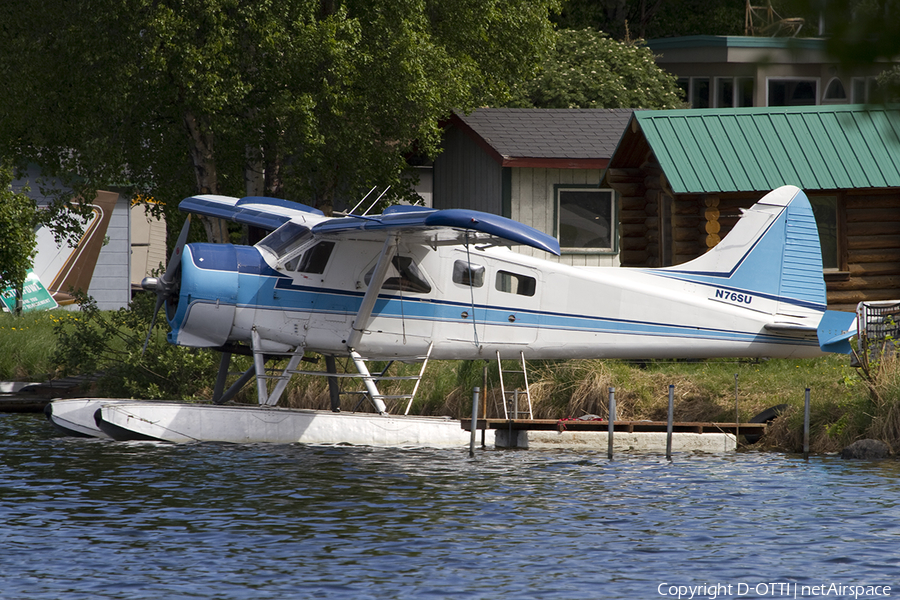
588	69
629	19
858	31
109	344
19	245
309	99
27	343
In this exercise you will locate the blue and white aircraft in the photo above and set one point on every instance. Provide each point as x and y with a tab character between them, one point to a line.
414	284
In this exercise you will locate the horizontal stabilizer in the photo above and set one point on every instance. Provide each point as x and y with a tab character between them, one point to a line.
789	328
836	329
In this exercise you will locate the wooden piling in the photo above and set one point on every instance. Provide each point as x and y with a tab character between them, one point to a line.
612	418
670	421
475	393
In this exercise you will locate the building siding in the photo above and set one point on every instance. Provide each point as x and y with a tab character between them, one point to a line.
465	176
534	203
111	284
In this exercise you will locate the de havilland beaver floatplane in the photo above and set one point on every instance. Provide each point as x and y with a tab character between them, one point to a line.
414	284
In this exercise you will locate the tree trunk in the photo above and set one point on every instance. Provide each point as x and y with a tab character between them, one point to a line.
203	157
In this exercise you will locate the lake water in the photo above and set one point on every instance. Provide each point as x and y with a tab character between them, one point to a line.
98	519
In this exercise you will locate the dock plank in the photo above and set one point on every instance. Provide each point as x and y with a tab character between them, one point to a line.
618	426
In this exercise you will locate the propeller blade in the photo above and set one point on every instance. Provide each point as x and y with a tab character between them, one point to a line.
159	302
175	259
164	285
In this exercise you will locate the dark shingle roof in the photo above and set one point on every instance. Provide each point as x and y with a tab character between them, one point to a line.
570	138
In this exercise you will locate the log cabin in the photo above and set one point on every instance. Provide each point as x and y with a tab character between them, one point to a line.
683	176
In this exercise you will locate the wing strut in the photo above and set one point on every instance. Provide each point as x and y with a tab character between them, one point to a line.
259	363
368	302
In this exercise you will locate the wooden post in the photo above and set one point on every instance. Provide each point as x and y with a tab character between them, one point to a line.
737	419
806	426
612	418
669	422
472	433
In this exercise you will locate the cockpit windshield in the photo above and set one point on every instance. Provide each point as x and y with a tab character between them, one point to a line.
286	238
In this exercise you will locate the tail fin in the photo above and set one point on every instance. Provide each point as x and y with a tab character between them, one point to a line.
772	252
76	273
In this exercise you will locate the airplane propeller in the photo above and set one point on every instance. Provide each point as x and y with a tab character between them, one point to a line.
167	285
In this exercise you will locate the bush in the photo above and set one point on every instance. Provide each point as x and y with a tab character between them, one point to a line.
110	344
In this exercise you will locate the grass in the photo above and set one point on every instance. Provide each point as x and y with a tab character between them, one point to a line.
845	405
27	344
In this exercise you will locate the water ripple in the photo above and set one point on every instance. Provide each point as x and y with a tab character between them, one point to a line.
99	519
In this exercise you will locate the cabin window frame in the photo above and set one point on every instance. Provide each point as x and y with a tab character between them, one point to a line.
830	95
862	89
518	284
287	241
835	222
788	81
468	274
613	200
737	90
409	278
312	260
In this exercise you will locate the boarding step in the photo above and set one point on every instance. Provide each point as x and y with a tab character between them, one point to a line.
512	398
375	396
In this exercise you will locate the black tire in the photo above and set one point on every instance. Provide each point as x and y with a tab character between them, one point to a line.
766	416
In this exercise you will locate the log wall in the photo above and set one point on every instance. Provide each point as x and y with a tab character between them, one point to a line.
868	231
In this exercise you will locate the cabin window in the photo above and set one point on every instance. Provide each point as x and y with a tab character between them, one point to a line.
862	90
285	239
513	283
733	91
465	273
834	92
792	92
585	219
403	275
825	209
313	260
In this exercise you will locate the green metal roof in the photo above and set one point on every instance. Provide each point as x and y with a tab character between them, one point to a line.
736	41
758	149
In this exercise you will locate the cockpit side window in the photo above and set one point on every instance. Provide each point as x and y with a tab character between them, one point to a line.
465	273
403	275
286	238
316	258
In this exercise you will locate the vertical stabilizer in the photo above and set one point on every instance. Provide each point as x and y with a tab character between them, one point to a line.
77	270
772	252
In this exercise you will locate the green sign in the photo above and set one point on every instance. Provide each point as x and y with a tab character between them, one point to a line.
35	296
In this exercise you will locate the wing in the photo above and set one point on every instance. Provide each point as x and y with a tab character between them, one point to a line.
443	226
257	211
450	226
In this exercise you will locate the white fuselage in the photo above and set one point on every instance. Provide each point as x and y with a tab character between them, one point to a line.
520	304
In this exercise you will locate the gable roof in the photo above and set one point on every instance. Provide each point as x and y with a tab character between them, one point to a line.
546	138
758	149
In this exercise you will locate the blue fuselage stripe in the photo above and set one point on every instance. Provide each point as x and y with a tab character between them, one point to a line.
280	292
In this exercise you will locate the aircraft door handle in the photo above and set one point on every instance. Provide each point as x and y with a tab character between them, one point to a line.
512	318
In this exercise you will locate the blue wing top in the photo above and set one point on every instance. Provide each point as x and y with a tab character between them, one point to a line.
257	211
418	218
272	213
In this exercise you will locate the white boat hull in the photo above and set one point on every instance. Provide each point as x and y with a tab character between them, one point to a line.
185	423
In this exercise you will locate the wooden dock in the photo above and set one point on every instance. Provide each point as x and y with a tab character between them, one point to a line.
18	396
639	436
618	426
